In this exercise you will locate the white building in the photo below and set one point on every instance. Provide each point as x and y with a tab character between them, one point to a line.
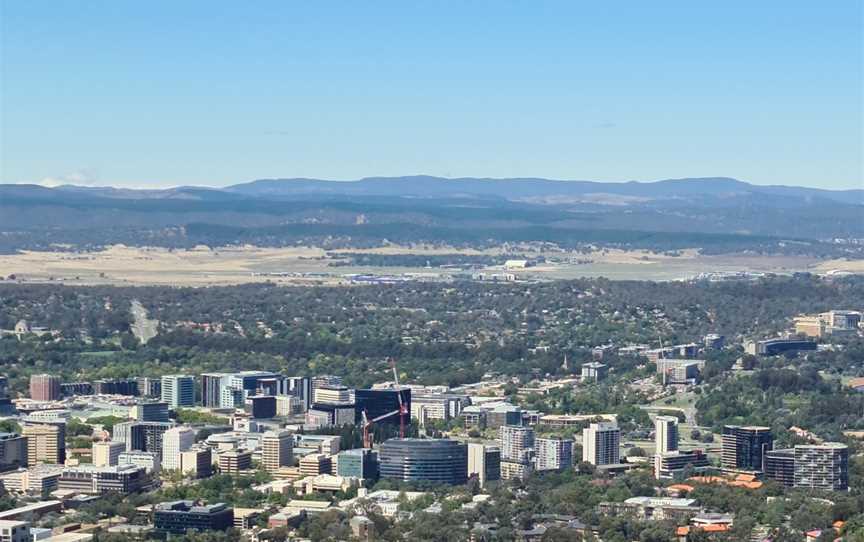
150	461
178	390
14	531
553	453
517	443
665	434
601	444
174	441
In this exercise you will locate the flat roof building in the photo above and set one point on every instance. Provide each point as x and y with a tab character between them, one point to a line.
179	516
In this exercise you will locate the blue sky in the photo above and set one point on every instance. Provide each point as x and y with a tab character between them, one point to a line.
210	93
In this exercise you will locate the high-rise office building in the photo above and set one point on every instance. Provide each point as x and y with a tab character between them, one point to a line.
178	390
601	443
276	450
13	451
434	460
142	436
300	386
236	388
44	387
46	442
484	461
211	389
822	466
107	453
744	447
665	434
553	453
174	441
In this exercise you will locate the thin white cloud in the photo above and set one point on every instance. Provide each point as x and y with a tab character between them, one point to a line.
81	177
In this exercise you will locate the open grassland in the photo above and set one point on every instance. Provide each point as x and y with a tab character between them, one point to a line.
234	265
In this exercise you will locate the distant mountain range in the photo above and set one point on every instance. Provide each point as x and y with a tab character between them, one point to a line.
427	209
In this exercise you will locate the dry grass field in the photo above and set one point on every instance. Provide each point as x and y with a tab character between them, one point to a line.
204	267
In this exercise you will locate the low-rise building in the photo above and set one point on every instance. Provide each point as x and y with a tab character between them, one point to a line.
180	516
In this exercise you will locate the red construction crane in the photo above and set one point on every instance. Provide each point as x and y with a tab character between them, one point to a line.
367	437
403	409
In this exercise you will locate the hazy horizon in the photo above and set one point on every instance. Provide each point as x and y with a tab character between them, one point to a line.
54	183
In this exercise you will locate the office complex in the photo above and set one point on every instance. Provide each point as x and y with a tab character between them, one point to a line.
95	480
178	390
107	453
150	412
197	461
775	347
434	460
71	389
44	387
315	464
234	461
149	461
180	516
665	434
744	447
301	387
332	395
669	464
236	388
822	466
601	443
277	450
174	441
553	453
116	387
326	415
46	442
484	461
13	451
262	406
360	463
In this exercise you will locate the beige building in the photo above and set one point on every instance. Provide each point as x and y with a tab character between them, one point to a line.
315	464
277	450
45	443
106	453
